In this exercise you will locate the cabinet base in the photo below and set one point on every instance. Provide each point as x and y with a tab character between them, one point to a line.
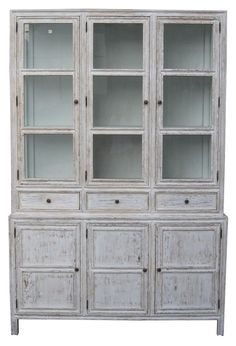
15	321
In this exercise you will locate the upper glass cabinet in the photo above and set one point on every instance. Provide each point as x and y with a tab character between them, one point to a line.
188	46
48	78
48	46
187	106
118	46
118	88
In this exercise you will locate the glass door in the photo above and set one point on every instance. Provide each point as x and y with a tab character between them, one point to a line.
117	100
48	102
187	106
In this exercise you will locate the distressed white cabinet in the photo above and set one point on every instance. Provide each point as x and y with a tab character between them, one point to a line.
118	165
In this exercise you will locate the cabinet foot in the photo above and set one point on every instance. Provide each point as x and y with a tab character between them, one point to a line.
14	326
220	326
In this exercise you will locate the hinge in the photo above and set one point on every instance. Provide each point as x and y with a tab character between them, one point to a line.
16	304
217	176
86	101
86	175
17	174
218	102
86	233
219	27
221	233
87	304
16	101
14	232
16	26
86	27
218	304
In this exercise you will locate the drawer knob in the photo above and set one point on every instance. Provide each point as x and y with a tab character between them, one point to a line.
144	270
76	269
145	102
117	201
76	101
186	201
159	102
48	200
159	270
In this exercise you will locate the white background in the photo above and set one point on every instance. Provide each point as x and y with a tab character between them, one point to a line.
114	333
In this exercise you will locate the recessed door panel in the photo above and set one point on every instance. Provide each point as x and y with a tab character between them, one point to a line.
183	248
117	249
48	248
53	291
118	292
187	291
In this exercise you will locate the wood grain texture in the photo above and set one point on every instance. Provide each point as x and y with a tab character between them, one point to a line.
49	201
188	202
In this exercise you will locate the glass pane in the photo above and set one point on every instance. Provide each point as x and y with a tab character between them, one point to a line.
186	157
187	101
48	101
48	46
117	156
118	46
188	46
117	101
49	156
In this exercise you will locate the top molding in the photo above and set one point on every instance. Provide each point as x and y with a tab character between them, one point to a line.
58	12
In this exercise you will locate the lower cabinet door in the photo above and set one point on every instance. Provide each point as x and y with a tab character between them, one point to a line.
48	269
187	269
117	269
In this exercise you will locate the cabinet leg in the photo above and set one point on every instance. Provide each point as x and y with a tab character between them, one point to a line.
14	326
220	326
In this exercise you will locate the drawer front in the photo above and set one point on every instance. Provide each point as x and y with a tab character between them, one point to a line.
48	200
117	201
193	202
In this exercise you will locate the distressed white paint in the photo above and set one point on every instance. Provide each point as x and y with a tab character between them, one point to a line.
188	201
117	201
48	201
151	227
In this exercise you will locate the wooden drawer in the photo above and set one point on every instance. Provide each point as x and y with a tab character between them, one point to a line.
49	200
187	201
118	201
